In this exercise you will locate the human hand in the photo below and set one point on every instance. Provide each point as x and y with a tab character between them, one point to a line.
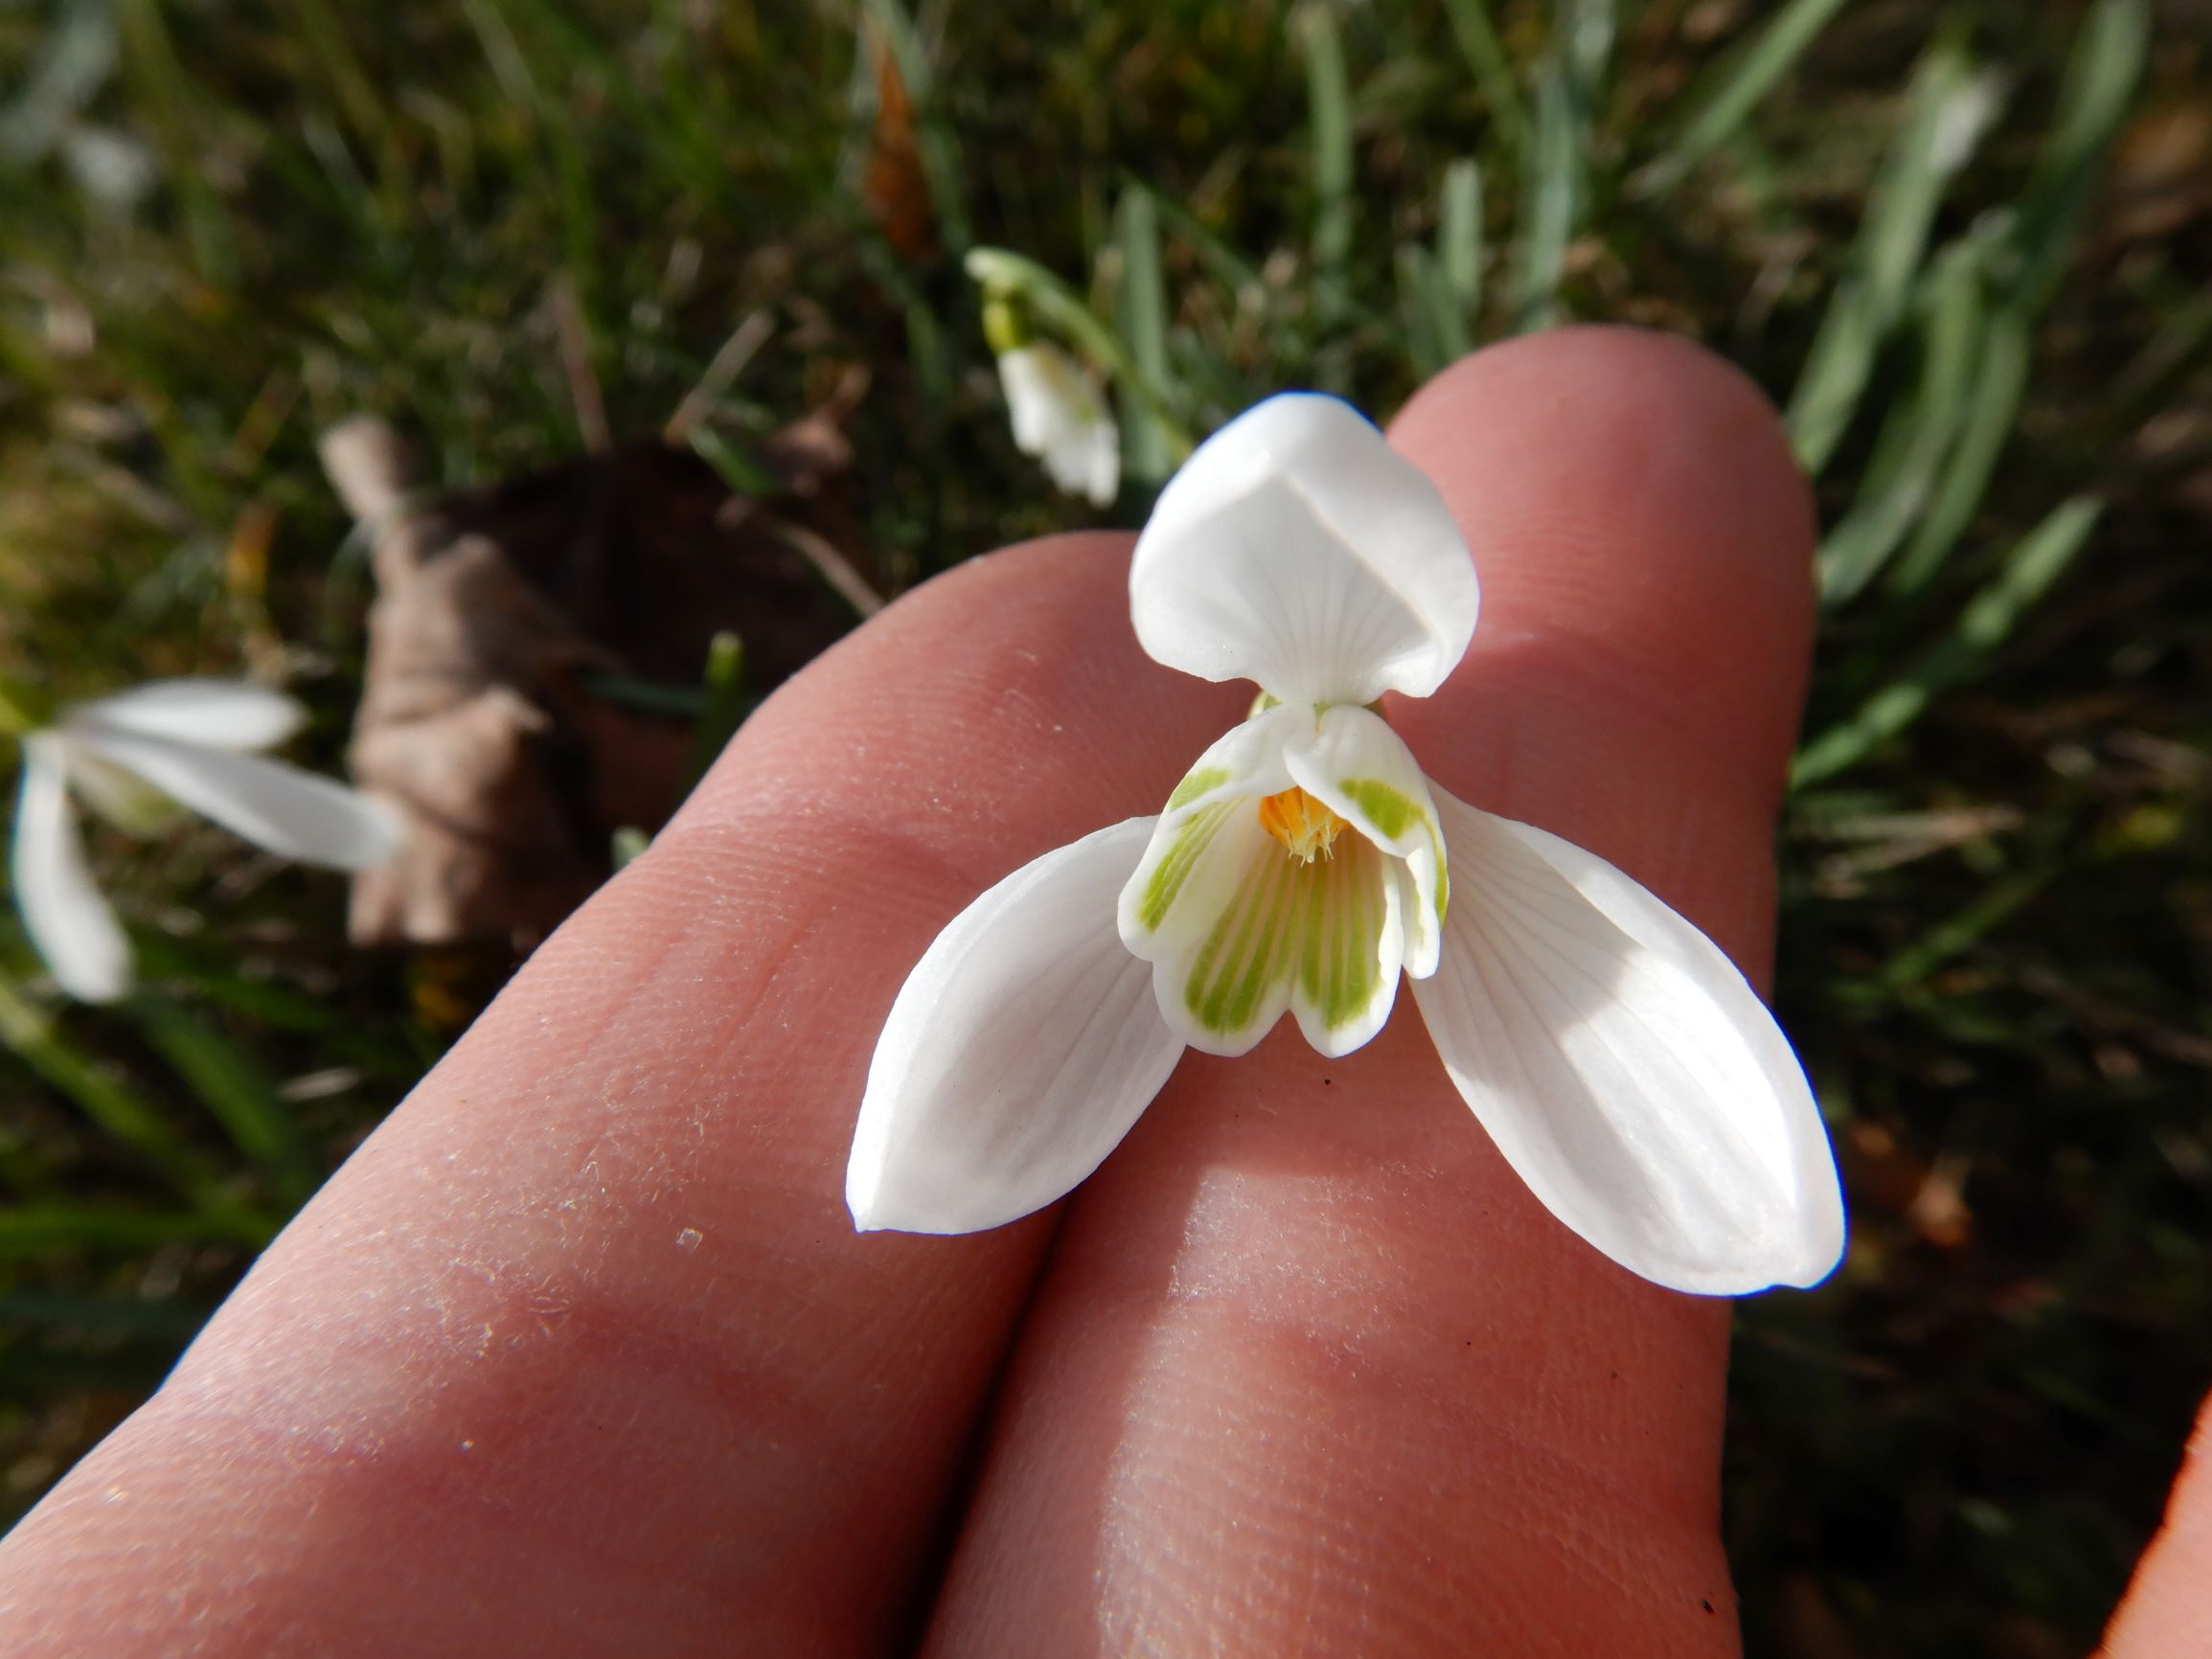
581	1356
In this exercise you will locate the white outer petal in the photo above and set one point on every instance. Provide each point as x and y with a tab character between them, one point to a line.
218	713
1017	1054
63	910
1296	548
1626	1068
291	812
107	791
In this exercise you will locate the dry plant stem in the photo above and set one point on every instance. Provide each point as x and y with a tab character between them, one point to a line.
729	361
833	567
582	1349
583	392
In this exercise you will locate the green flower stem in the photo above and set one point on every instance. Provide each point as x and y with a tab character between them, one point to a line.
1001	274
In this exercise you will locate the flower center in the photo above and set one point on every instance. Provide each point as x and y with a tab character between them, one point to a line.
1301	823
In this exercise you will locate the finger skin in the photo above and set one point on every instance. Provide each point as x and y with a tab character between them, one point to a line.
580	1355
2168	1611
1310	1367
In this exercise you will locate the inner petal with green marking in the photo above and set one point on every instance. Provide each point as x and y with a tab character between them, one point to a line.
1299	869
1260	906
1360	770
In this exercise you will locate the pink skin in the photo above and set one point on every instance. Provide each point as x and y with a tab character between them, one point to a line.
2168	1611
580	1356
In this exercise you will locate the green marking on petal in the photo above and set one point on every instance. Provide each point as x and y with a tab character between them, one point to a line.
1339	953
1310	939
1191	838
1390	811
1361	928
1363	931
1289	923
1442	874
1248	950
1204	781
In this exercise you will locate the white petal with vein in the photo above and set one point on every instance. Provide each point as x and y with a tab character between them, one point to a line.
281	807
1297	549
63	911
221	713
1017	1054
1626	1068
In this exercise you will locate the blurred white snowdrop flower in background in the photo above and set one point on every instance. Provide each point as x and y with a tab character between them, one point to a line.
1062	418
1058	412
1615	1056
136	759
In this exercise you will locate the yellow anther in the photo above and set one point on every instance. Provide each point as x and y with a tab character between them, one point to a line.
1301	823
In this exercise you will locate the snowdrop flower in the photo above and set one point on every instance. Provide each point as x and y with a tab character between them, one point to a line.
1062	418
1615	1055
135	758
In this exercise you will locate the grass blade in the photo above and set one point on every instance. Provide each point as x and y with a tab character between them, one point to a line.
1438	292
745	476
1723	99
1586	30
236	1093
1424	308
266	1003
1551	198
2000	379
1229	266
1485	54
1945	108
27	1031
122	1316
160	85
1459	242
1960	931
2026	576
38	1228
2100	85
721	706
1147	452
2040	240
1329	113
353	86
70	65
571	178
1918	433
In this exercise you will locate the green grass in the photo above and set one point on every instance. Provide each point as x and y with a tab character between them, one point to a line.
1902	220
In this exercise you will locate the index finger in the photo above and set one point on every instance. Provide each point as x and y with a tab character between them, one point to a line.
580	1349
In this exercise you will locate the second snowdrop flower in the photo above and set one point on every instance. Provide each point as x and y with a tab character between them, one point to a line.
1307	864
1058	412
136	759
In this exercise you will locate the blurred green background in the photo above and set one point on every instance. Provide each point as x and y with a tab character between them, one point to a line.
1964	245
